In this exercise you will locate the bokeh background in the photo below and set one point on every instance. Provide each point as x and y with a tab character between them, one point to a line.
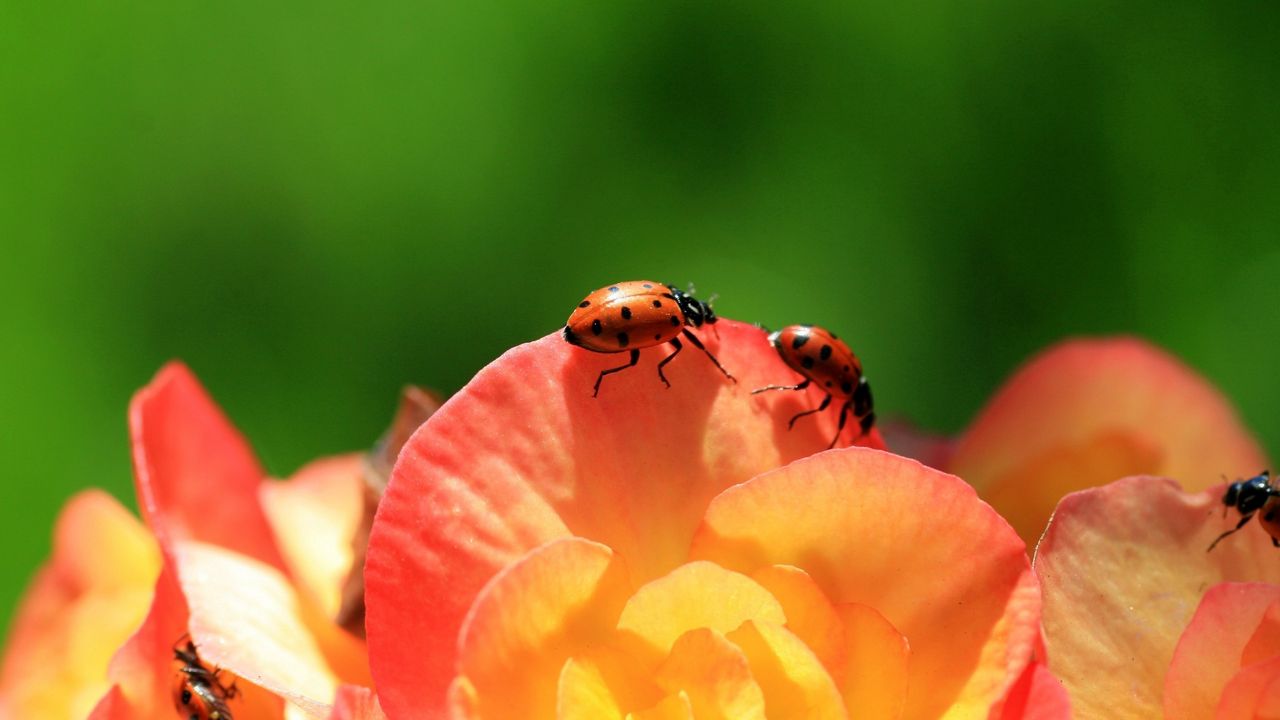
313	203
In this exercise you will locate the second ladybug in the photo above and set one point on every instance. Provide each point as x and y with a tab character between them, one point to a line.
824	359
633	315
198	692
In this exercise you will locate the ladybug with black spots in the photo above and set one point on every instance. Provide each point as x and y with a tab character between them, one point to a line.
198	692
823	359
1249	497
631	316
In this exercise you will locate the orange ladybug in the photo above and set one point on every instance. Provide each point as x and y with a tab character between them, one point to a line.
1249	497
633	315
198	692
823	358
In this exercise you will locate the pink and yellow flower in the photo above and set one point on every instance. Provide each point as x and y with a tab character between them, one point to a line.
654	553
250	569
1087	412
1140	621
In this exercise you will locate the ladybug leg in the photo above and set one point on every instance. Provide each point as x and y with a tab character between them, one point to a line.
801	386
698	344
635	358
675	342
844	415
825	402
1239	525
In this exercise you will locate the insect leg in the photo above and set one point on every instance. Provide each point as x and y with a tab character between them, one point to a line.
698	344
825	402
675	342
635	358
844	415
801	386
1239	525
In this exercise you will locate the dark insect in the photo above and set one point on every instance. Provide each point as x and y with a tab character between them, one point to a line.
823	359
198	692
629	316
1249	497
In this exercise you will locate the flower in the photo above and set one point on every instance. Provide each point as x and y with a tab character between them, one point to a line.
81	606
1140	621
250	569
656	553
1086	412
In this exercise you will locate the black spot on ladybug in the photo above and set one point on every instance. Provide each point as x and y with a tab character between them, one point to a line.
828	383
826	352
585	303
596	329
186	696
846	368
807	362
626	313
846	387
675	321
623	339
797	342
613	288
657	303
658	336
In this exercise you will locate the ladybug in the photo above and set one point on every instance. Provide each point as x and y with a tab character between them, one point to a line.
1250	496
198	692
823	358
633	315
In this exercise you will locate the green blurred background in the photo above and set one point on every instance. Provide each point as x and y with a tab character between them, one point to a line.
313	203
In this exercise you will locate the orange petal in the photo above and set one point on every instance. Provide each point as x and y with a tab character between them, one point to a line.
247	618
559	599
85	603
913	543
1087	412
810	615
1265	641
673	707
196	476
313	517
793	680
1210	649
1253	694
715	675
874	679
1122	568
356	703
695	595
582	693
524	454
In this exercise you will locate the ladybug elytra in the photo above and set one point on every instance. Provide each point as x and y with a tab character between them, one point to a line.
198	692
629	316
823	359
1249	497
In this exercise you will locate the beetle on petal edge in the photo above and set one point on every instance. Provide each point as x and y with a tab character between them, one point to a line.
824	359
630	316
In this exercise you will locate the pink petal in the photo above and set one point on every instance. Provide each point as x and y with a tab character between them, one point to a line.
524	454
1086	412
1037	695
196	476
1123	568
1209	651
1253	694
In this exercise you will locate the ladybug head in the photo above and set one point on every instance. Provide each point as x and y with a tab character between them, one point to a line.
695	311
1249	495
